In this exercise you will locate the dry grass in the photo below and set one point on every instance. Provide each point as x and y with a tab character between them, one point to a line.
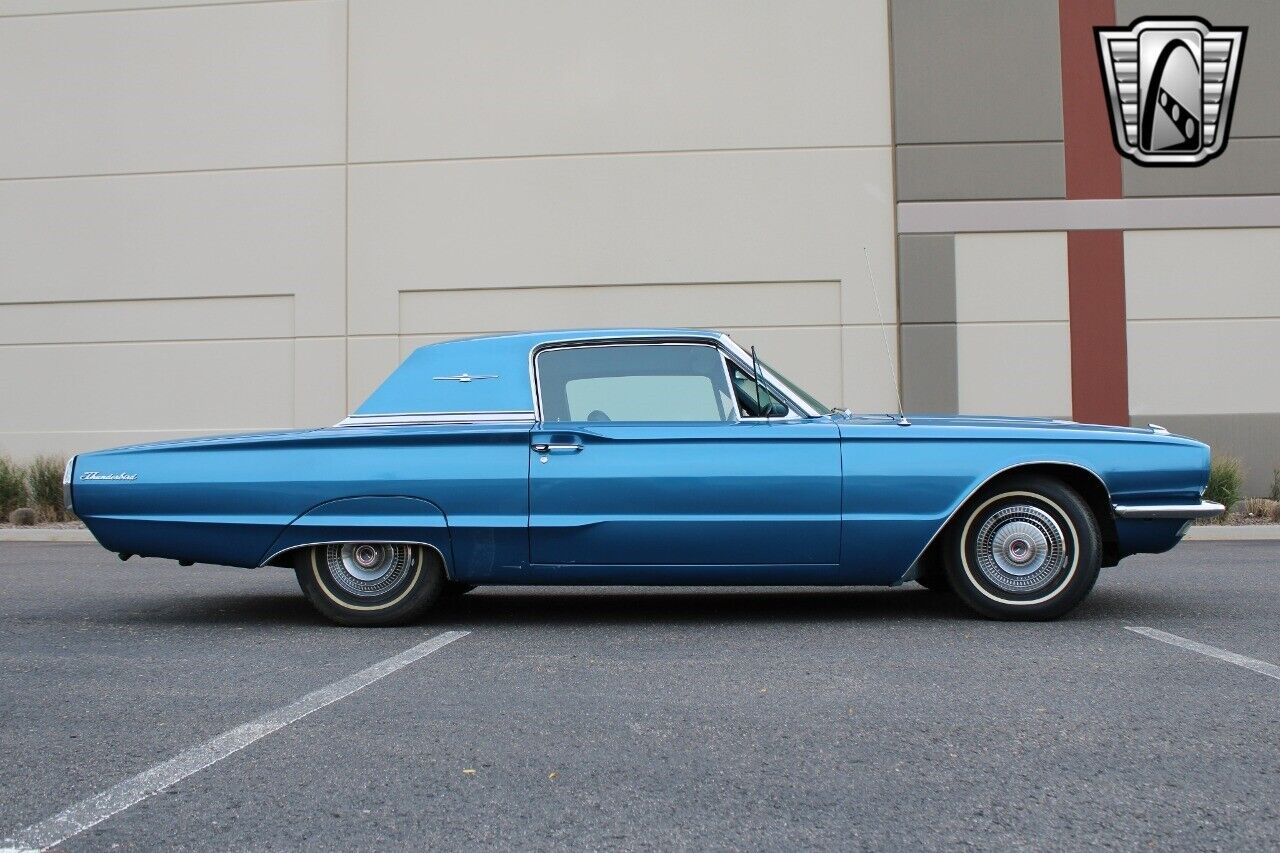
13	486
44	483
1226	482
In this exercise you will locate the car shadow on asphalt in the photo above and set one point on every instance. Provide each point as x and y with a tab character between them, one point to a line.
559	606
594	606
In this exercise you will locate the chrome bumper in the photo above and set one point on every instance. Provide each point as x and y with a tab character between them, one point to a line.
1204	509
66	483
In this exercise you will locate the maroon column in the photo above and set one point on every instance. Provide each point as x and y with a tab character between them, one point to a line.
1095	259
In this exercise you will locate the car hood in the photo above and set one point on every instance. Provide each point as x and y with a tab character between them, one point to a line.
987	424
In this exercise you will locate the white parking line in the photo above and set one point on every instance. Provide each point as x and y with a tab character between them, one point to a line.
1259	666
95	809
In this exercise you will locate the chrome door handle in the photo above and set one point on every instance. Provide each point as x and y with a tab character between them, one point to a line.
544	448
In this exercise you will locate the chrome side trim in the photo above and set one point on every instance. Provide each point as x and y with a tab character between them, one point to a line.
418	418
443	561
1157	429
983	484
1204	509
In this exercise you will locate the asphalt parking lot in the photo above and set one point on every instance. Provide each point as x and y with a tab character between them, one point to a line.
633	719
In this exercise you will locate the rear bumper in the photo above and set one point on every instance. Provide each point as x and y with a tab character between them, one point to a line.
1204	509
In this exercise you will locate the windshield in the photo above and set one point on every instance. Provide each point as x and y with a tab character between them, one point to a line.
795	390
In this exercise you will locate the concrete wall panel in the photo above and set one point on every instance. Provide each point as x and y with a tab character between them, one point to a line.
699	304
927	278
1202	273
434	80
220	385
1013	277
55	7
978	71
739	217
1003	170
930	379
1204	367
166	238
1247	167
119	321
204	87
1014	369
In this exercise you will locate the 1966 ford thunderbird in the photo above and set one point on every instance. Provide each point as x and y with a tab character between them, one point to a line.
656	456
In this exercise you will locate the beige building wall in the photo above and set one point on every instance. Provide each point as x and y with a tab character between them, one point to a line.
1013	344
1204	339
238	216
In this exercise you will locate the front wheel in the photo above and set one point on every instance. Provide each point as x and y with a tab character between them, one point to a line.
1026	548
370	583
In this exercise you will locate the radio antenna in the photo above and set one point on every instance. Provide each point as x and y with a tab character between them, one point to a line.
888	353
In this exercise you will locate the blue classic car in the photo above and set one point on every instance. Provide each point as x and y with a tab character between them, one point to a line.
656	456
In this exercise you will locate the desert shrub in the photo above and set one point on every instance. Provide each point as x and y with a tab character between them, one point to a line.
44	482
1275	485
13	486
1226	481
1262	509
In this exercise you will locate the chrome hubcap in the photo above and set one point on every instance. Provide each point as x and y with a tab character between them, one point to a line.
368	569
1021	549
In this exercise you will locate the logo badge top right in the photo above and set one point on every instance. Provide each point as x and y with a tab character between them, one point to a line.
1171	84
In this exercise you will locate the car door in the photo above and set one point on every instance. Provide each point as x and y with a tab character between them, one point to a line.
642	460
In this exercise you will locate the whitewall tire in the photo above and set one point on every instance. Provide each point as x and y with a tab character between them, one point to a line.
370	583
1026	547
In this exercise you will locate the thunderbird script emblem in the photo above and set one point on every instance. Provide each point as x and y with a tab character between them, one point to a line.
1171	83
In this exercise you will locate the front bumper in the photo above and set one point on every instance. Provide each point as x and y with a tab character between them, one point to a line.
1204	509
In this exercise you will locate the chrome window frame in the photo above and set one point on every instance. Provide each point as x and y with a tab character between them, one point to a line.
537	351
728	349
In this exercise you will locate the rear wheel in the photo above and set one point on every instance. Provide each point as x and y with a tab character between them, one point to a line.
370	583
1025	548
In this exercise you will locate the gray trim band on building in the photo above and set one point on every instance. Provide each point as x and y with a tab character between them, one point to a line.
1262	211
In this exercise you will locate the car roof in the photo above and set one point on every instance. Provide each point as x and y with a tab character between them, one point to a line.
485	374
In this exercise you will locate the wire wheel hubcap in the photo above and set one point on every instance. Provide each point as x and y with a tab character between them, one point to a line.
1021	549
366	569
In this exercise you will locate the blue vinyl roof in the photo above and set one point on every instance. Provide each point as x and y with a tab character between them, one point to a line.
422	384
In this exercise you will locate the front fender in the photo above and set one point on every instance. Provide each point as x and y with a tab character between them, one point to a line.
365	519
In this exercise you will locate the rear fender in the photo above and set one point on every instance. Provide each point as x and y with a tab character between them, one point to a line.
365	519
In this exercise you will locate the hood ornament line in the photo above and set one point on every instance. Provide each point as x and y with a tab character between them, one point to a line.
465	377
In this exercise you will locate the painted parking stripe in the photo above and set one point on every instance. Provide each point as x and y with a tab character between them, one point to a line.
95	809
1259	666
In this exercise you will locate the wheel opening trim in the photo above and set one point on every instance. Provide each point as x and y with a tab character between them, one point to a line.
439	553
980	486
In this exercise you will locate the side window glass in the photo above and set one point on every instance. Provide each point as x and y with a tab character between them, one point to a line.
744	388
634	383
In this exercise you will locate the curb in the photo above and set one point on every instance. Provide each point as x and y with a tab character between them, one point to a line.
1197	533
1234	533
46	534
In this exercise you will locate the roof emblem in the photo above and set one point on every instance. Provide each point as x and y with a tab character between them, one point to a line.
464	377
